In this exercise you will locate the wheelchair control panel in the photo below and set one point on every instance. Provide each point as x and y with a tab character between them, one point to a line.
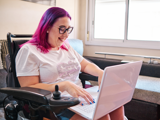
39	99
57	100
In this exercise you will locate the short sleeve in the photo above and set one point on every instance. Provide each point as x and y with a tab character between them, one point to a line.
78	56
26	63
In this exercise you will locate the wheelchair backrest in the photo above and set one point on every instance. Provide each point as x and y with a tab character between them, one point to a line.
13	48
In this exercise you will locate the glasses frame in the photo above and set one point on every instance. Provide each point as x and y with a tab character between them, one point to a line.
65	30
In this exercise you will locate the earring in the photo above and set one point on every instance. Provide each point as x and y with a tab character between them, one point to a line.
47	31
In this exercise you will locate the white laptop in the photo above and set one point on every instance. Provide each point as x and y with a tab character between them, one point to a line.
117	88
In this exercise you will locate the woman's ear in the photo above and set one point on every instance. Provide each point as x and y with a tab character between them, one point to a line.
48	30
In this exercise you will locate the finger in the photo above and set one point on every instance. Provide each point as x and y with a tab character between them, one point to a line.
81	103
74	94
88	95
84	96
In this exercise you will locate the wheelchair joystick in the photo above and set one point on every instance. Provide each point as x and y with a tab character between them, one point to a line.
56	93
59	103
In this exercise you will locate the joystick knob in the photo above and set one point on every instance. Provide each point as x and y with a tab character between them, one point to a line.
56	93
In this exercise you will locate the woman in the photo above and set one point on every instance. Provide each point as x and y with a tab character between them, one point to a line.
47	60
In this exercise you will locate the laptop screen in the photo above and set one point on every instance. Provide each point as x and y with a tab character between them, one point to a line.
117	87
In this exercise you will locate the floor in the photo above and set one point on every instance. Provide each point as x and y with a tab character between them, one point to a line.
2	114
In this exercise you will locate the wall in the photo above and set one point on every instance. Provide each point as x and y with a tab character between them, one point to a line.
21	17
90	50
72	6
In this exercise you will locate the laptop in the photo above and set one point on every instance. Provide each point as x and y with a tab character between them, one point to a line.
117	88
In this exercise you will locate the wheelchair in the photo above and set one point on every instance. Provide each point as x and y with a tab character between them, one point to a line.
36	104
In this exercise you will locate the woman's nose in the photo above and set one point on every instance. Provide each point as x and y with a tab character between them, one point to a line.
66	34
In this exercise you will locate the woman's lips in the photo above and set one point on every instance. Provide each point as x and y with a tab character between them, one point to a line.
61	39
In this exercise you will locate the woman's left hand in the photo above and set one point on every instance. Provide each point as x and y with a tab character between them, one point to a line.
100	75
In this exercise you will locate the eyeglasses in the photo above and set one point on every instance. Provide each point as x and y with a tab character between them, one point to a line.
62	30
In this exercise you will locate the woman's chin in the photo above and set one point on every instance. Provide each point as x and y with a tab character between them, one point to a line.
61	43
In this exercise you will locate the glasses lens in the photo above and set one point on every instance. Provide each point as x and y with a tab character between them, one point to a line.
70	30
62	30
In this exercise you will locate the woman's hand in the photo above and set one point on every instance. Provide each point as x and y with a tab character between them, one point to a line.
77	91
100	75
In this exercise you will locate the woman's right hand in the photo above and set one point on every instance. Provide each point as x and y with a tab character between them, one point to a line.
71	88
77	91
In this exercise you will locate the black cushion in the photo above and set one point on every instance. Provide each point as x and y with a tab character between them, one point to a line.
15	48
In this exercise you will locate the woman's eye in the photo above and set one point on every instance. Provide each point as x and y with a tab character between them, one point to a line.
62	29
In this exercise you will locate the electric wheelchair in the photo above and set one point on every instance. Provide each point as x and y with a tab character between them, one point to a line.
36	104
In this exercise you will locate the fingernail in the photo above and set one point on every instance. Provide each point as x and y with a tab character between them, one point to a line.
82	104
93	101
97	90
90	102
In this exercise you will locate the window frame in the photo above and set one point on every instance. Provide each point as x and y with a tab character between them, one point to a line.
90	40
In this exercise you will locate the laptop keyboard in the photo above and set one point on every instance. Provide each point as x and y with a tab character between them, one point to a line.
87	108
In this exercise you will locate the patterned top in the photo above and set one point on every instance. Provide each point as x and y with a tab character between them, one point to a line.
52	67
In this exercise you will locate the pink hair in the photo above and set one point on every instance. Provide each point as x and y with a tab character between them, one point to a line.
40	37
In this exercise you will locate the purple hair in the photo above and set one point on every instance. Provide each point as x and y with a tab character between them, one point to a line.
40	37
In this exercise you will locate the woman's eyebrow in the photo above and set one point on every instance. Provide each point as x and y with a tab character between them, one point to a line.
64	26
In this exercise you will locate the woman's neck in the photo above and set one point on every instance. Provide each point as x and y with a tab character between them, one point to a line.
55	48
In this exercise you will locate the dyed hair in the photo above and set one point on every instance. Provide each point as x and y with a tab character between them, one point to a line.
40	37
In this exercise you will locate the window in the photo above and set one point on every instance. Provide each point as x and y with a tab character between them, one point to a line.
110	24
124	23
144	20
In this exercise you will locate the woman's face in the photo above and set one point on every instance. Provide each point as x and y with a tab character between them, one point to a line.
55	39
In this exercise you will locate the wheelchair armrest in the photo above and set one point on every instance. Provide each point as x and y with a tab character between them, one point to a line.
28	93
42	97
84	76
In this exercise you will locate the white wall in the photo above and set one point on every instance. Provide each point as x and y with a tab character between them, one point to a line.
71	6
21	17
